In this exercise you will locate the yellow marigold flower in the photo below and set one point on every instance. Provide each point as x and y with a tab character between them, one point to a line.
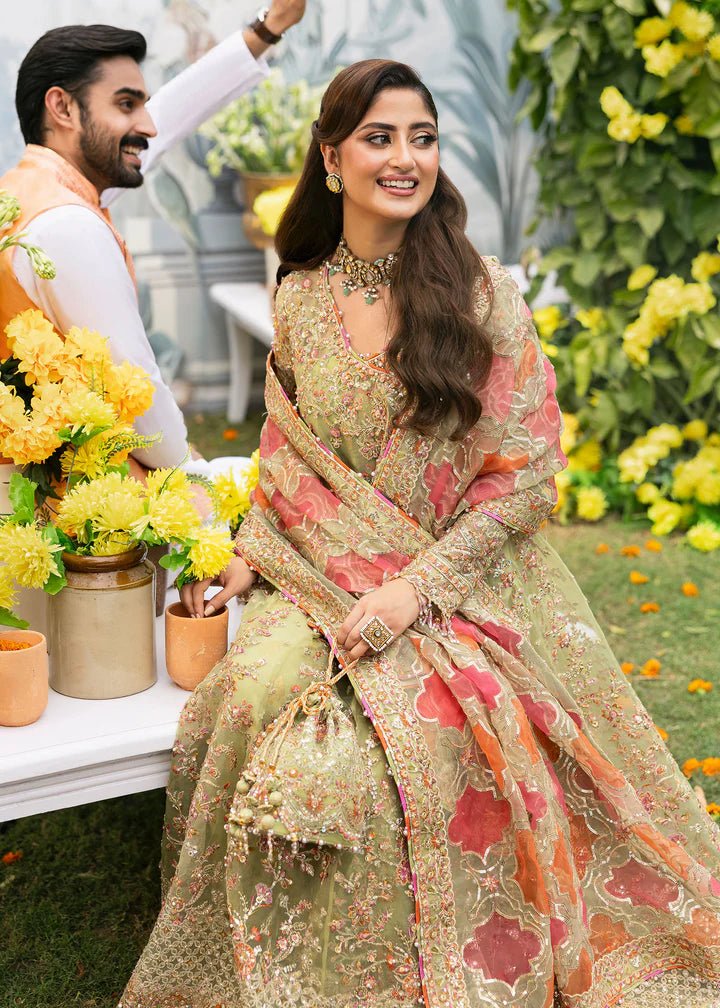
12	410
690	766
638	578
697	298
704	536
547	321
591	503
569	436
602	548
662	733
647	493
653	546
705	265
614	104
270	205
713	47
30	442
7	588
652	126
129	389
50	404
665	516
711	766
641	276
700	686
27	554
88	354
88	410
713	809
665	434
651	668
684	124
591	318
626	128
661	59
627	667
708	489
694	24
633	468
587	457
651	31
211	553
38	348
689	589
170	517
630	551
695	430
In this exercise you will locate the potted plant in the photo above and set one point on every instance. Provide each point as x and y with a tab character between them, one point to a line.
264	136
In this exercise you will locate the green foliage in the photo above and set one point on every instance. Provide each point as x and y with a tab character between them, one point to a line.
651	198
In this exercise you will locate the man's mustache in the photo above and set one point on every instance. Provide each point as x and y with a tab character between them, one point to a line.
134	141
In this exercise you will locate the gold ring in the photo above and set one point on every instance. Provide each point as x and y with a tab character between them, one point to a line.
376	634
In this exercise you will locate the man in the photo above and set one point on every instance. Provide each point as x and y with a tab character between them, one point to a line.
91	133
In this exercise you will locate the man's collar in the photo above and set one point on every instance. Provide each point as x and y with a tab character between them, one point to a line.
67	174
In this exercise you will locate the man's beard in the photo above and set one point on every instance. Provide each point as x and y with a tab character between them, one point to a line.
103	154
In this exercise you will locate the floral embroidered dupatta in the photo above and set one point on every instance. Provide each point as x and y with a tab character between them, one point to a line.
535	858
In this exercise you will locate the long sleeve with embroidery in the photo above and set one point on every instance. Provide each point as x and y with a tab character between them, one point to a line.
514	491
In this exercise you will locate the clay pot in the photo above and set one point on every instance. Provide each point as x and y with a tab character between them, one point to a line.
23	679
193	646
102	627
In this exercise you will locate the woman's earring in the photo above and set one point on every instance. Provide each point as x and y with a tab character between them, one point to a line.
334	183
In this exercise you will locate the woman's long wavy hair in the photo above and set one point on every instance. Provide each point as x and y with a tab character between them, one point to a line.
438	348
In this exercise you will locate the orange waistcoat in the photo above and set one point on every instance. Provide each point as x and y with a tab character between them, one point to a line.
43	180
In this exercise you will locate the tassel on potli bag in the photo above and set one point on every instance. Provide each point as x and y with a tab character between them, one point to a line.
306	778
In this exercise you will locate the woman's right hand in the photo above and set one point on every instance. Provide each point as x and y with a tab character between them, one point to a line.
236	579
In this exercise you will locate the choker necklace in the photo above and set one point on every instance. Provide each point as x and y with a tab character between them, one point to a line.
360	274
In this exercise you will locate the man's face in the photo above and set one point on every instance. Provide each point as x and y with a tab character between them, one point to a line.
115	126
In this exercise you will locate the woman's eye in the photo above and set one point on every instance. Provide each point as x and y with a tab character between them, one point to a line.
426	139
379	139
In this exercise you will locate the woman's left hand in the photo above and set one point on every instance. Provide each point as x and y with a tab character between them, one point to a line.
395	603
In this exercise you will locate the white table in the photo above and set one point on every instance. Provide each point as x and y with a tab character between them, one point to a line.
248	317
83	751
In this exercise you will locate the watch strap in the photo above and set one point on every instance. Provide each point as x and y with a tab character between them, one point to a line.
263	32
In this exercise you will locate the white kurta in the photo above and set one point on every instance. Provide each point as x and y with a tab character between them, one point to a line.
93	287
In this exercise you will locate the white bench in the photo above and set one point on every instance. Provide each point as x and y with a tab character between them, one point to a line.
248	317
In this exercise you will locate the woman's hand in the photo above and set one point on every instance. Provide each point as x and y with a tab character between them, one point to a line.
236	579
395	603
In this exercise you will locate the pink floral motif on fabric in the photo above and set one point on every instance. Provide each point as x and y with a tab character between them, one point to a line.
480	821
502	949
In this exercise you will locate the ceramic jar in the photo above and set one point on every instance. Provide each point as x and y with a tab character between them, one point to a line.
193	646
23	678
102	627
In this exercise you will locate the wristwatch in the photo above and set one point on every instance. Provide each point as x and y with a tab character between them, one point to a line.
261	29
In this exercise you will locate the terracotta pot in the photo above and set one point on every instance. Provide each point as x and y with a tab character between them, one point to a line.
254	183
102	627
23	679
193	646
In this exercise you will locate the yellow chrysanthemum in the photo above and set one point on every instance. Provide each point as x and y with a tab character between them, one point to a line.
120	510
270	205
647	493
234	500
713	47
587	457
88	410
111	545
88	460
626	128
591	318
696	25
37	347
651	126
708	489
705	265
695	430
614	104
641	276
660	60
86	500
665	516
651	31
704	536
28	555
171	517
547	321
591	503
172	481
212	552
129	389
686	477
684	124
7	588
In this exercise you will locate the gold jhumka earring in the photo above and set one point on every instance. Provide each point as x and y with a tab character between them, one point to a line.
334	183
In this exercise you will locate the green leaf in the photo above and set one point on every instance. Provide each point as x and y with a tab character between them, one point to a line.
710	325
706	219
651	219
564	60
563	255
632	6
704	377
586	268
543	39
587	6
55	583
171	561
621	30
8	618
21	492
631	244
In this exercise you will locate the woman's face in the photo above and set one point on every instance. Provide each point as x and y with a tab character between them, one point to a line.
389	163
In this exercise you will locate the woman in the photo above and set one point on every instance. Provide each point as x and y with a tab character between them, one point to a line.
482	813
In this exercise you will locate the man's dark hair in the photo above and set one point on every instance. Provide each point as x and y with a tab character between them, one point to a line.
69	58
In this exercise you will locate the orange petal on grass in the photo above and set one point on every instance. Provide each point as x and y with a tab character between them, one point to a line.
602	548
662	733
627	667
690	766
651	668
647	607
229	434
711	766
690	589
637	578
700	686
654	546
11	857
630	551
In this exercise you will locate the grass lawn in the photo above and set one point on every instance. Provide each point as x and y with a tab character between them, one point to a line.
77	907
